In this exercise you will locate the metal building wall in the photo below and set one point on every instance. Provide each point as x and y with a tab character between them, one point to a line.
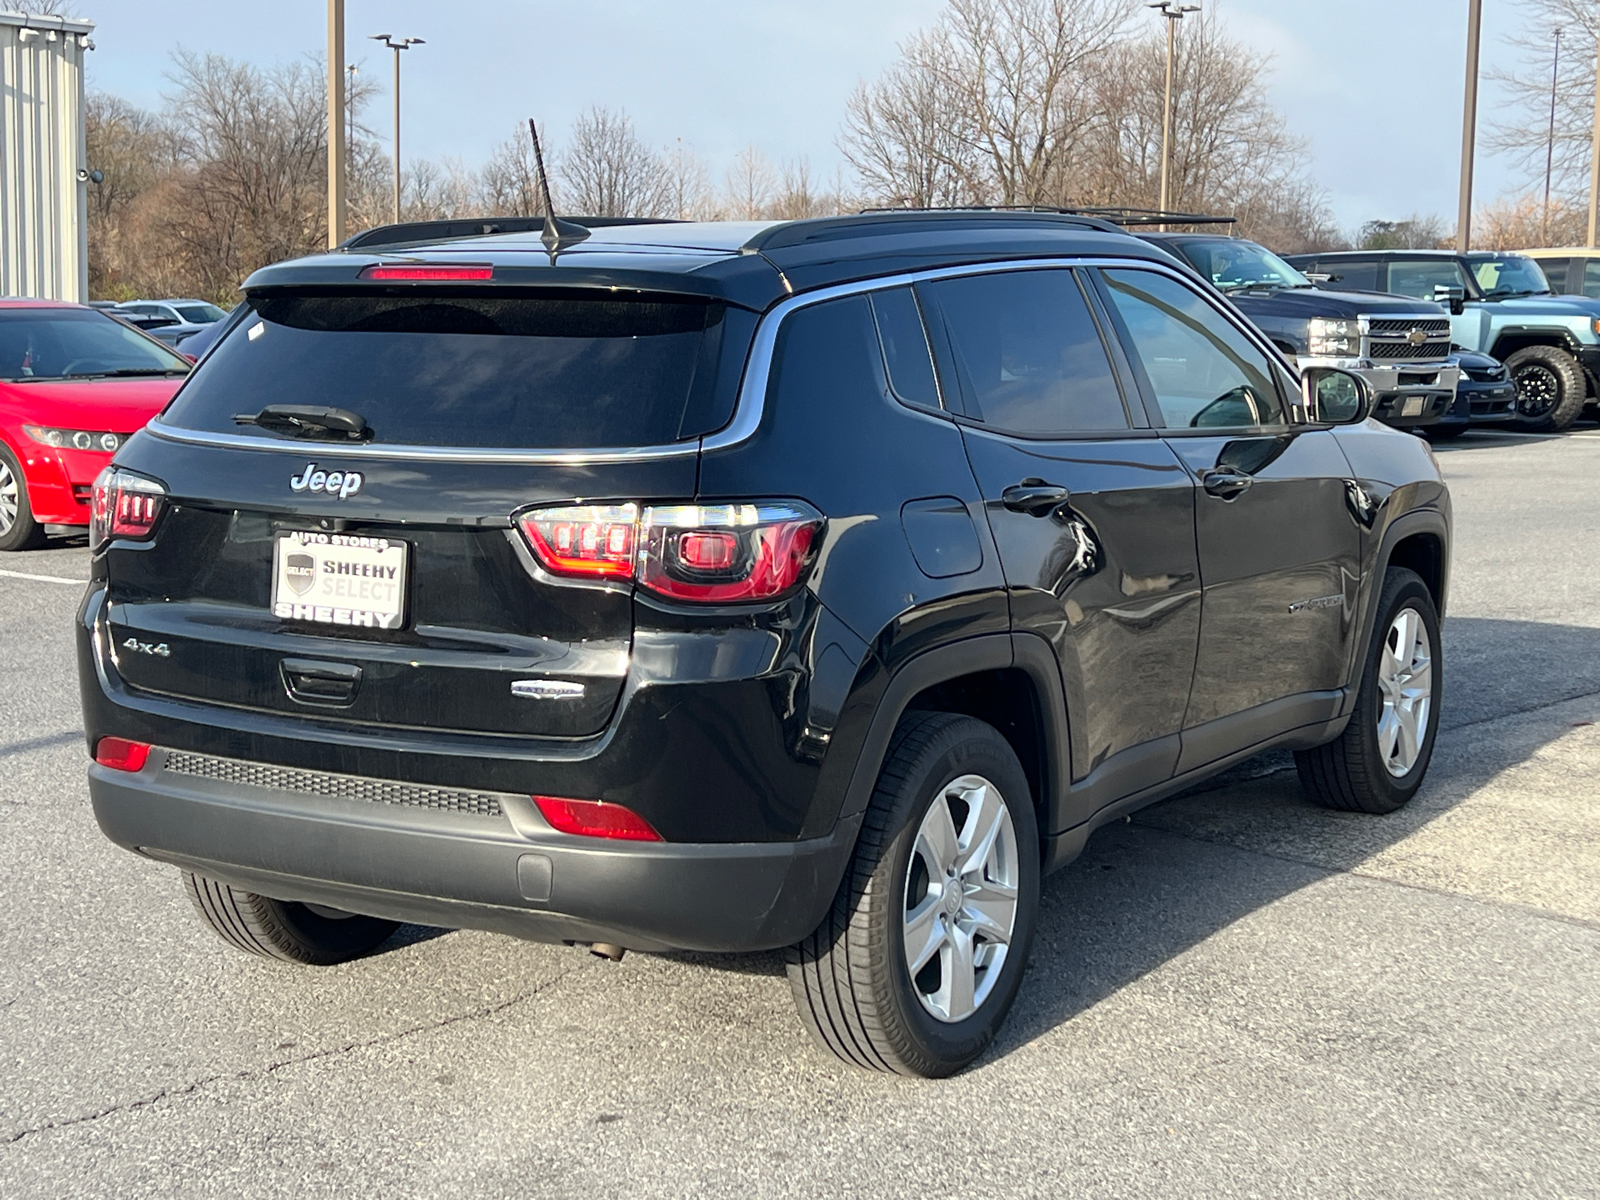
43	199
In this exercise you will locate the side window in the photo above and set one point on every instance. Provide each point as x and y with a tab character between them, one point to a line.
1418	277
1555	270
1028	354
1355	274
1591	278
1204	372
906	356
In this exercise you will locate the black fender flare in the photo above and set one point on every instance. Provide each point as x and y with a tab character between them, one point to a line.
1431	521
986	652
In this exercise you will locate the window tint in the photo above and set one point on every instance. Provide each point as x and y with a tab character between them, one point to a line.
905	347
1028	353
1555	271
523	372
52	343
1204	372
1418	277
1591	279
1356	275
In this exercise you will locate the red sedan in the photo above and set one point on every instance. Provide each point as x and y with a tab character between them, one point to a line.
74	385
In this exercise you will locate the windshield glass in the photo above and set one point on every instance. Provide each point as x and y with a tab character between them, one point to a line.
519	372
200	314
1508	275
63	343
1231	265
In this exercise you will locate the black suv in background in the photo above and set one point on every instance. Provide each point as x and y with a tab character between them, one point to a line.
1400	347
816	585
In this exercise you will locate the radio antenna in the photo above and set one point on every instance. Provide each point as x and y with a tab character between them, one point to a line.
558	234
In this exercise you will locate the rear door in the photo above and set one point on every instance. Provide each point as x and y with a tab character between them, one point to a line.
1278	542
387	579
1093	517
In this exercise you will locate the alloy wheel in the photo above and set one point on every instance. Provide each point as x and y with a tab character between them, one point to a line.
9	499
961	898
1538	391
1405	681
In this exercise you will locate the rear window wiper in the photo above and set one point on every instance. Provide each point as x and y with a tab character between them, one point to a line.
308	421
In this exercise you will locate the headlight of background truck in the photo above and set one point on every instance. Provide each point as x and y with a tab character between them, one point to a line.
1334	337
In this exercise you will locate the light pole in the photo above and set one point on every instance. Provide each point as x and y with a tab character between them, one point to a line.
1174	12
351	72
396	46
1469	127
1550	146
335	122
1594	157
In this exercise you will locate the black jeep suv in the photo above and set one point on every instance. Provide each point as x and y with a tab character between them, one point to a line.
816	585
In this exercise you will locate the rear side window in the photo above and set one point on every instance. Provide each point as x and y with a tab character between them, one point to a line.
1555	270
1418	277
905	347
1355	274
1028	354
518	372
1591	279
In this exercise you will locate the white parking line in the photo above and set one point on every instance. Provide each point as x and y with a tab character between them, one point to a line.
43	578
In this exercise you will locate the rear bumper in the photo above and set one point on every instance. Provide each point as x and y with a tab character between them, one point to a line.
505	871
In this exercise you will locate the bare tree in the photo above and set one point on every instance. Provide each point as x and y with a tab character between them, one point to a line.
609	172
509	181
901	134
688	185
1416	232
749	185
1522	134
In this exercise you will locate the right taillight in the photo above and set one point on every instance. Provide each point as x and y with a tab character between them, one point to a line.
123	505
702	553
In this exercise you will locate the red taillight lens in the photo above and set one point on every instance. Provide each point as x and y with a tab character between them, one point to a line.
120	754
718	554
710	554
123	505
428	272
586	541
596	818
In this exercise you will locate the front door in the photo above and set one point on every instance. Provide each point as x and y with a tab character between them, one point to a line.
1092	514
1279	541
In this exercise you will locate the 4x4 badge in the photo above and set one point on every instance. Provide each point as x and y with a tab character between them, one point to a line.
342	484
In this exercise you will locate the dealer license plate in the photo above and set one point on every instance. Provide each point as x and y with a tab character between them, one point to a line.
339	579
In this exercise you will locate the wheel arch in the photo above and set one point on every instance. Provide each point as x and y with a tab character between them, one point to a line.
1512	340
1010	681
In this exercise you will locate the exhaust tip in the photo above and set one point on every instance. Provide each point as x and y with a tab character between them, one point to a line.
607	950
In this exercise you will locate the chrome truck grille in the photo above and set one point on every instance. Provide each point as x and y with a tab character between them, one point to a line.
1406	339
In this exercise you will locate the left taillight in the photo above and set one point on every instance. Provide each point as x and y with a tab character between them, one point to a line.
704	554
123	505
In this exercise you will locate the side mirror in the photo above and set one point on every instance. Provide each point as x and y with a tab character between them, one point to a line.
1321	276
1453	297
1335	397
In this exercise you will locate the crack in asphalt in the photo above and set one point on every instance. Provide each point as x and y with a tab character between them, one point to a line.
274	1067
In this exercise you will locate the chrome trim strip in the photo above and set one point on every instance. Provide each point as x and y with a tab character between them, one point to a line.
581	457
753	389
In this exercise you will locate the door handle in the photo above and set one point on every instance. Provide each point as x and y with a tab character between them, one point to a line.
1035	497
1226	483
327	683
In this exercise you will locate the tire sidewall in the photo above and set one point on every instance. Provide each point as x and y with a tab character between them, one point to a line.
1402	589
26	532
970	748
1569	377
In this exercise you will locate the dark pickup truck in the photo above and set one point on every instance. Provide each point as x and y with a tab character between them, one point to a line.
1401	347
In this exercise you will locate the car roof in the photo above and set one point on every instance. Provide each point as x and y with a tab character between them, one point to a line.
39	302
750	263
1418	253
1563	252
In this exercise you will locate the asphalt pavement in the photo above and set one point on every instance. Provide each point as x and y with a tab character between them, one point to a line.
1234	994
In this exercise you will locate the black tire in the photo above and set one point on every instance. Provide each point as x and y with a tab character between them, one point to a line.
18	530
850	978
1551	388
1350	772
284	929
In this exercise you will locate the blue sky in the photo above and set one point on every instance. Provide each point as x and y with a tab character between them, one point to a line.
1382	113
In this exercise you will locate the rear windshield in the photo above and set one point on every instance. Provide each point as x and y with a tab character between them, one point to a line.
518	372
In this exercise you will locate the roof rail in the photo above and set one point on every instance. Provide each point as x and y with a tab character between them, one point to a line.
871	221
1116	215
408	232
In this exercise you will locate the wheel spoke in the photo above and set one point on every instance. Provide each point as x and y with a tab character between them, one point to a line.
956	970
985	819
991	913
1410	744
925	932
936	840
1388	733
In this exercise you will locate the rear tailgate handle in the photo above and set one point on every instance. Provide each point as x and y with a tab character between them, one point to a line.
330	684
